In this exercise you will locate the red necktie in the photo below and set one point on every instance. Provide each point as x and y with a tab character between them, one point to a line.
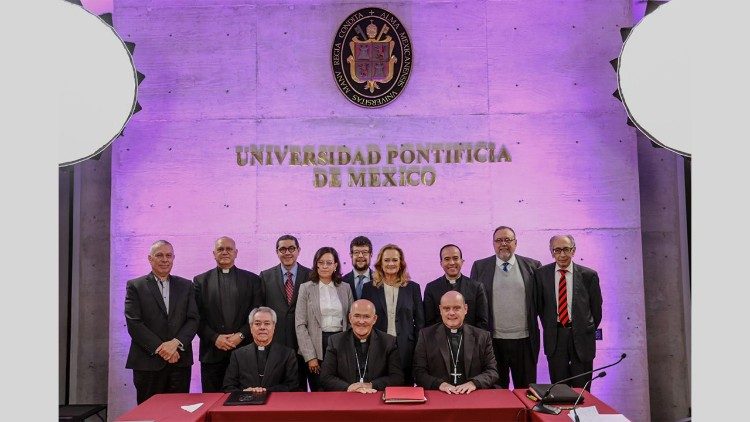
289	286
562	300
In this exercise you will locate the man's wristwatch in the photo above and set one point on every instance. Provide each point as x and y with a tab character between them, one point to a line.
242	336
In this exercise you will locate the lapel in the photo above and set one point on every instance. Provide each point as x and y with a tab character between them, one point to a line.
278	283
272	363
315	300
151	284
212	288
442	340
300	279
402	301
489	276
252	363
527	279
173	295
577	289
380	302
344	299
375	341
468	345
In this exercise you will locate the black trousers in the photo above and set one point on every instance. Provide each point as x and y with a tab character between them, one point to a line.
564	362
315	384
514	359
170	379
212	376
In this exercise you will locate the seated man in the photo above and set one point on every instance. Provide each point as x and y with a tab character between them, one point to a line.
261	365
451	345
361	359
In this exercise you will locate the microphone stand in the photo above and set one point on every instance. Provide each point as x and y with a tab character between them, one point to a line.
541	407
600	375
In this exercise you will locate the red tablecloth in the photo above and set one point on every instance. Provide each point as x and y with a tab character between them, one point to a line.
588	400
494	405
166	408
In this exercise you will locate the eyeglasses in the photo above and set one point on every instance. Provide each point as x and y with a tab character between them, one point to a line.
558	251
361	253
326	263
504	240
290	249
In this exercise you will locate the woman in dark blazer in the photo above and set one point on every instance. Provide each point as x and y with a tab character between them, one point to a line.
398	303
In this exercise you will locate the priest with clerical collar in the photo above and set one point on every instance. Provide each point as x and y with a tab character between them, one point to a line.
262	365
361	359
454	357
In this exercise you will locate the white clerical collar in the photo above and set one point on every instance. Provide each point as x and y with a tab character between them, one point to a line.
225	270
452	280
261	347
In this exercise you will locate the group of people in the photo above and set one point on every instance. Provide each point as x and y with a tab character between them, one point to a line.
293	326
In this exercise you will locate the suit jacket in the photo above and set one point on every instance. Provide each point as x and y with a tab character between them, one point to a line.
149	325
483	271
432	360
586	309
339	368
409	317
471	290
349	279
308	318
274	297
280	373
211	324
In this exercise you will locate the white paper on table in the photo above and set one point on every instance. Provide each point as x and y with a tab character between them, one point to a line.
591	414
192	407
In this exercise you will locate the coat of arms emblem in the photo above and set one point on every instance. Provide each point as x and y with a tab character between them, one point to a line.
371	57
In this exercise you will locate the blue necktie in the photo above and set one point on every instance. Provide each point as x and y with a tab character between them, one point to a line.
359	285
505	266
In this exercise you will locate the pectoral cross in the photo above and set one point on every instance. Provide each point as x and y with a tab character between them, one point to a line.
455	375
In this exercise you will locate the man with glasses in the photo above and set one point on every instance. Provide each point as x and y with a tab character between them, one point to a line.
570	307
360	250
224	295
162	320
508	281
280	287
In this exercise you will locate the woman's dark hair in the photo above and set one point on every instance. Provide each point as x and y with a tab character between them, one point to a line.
336	276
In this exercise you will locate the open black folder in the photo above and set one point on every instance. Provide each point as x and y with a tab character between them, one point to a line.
561	393
242	398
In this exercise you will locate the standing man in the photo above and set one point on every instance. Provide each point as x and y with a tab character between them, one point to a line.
224	296
360	249
454	357
162	319
508	280
451	260
280	286
361	359
570	305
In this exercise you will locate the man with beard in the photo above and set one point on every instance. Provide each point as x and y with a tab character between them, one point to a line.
262	365
508	281
224	295
361	359
451	260
280	287
360	249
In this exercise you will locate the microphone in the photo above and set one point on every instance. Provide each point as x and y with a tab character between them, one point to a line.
542	408
599	375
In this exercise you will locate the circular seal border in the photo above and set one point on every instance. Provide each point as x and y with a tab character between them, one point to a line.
341	50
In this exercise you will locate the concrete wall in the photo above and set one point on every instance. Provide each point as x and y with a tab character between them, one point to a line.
533	75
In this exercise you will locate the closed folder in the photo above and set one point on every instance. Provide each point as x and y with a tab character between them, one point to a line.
561	393
404	395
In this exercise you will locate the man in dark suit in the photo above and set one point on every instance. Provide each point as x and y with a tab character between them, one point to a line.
280	287
360	250
454	357
262	365
361	359
451	260
162	319
508	281
224	296
570	305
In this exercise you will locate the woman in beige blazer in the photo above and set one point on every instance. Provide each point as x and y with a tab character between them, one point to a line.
322	310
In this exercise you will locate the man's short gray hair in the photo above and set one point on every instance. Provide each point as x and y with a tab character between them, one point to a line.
262	309
157	244
569	236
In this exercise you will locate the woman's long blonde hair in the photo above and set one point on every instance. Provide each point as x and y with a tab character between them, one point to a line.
378	276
